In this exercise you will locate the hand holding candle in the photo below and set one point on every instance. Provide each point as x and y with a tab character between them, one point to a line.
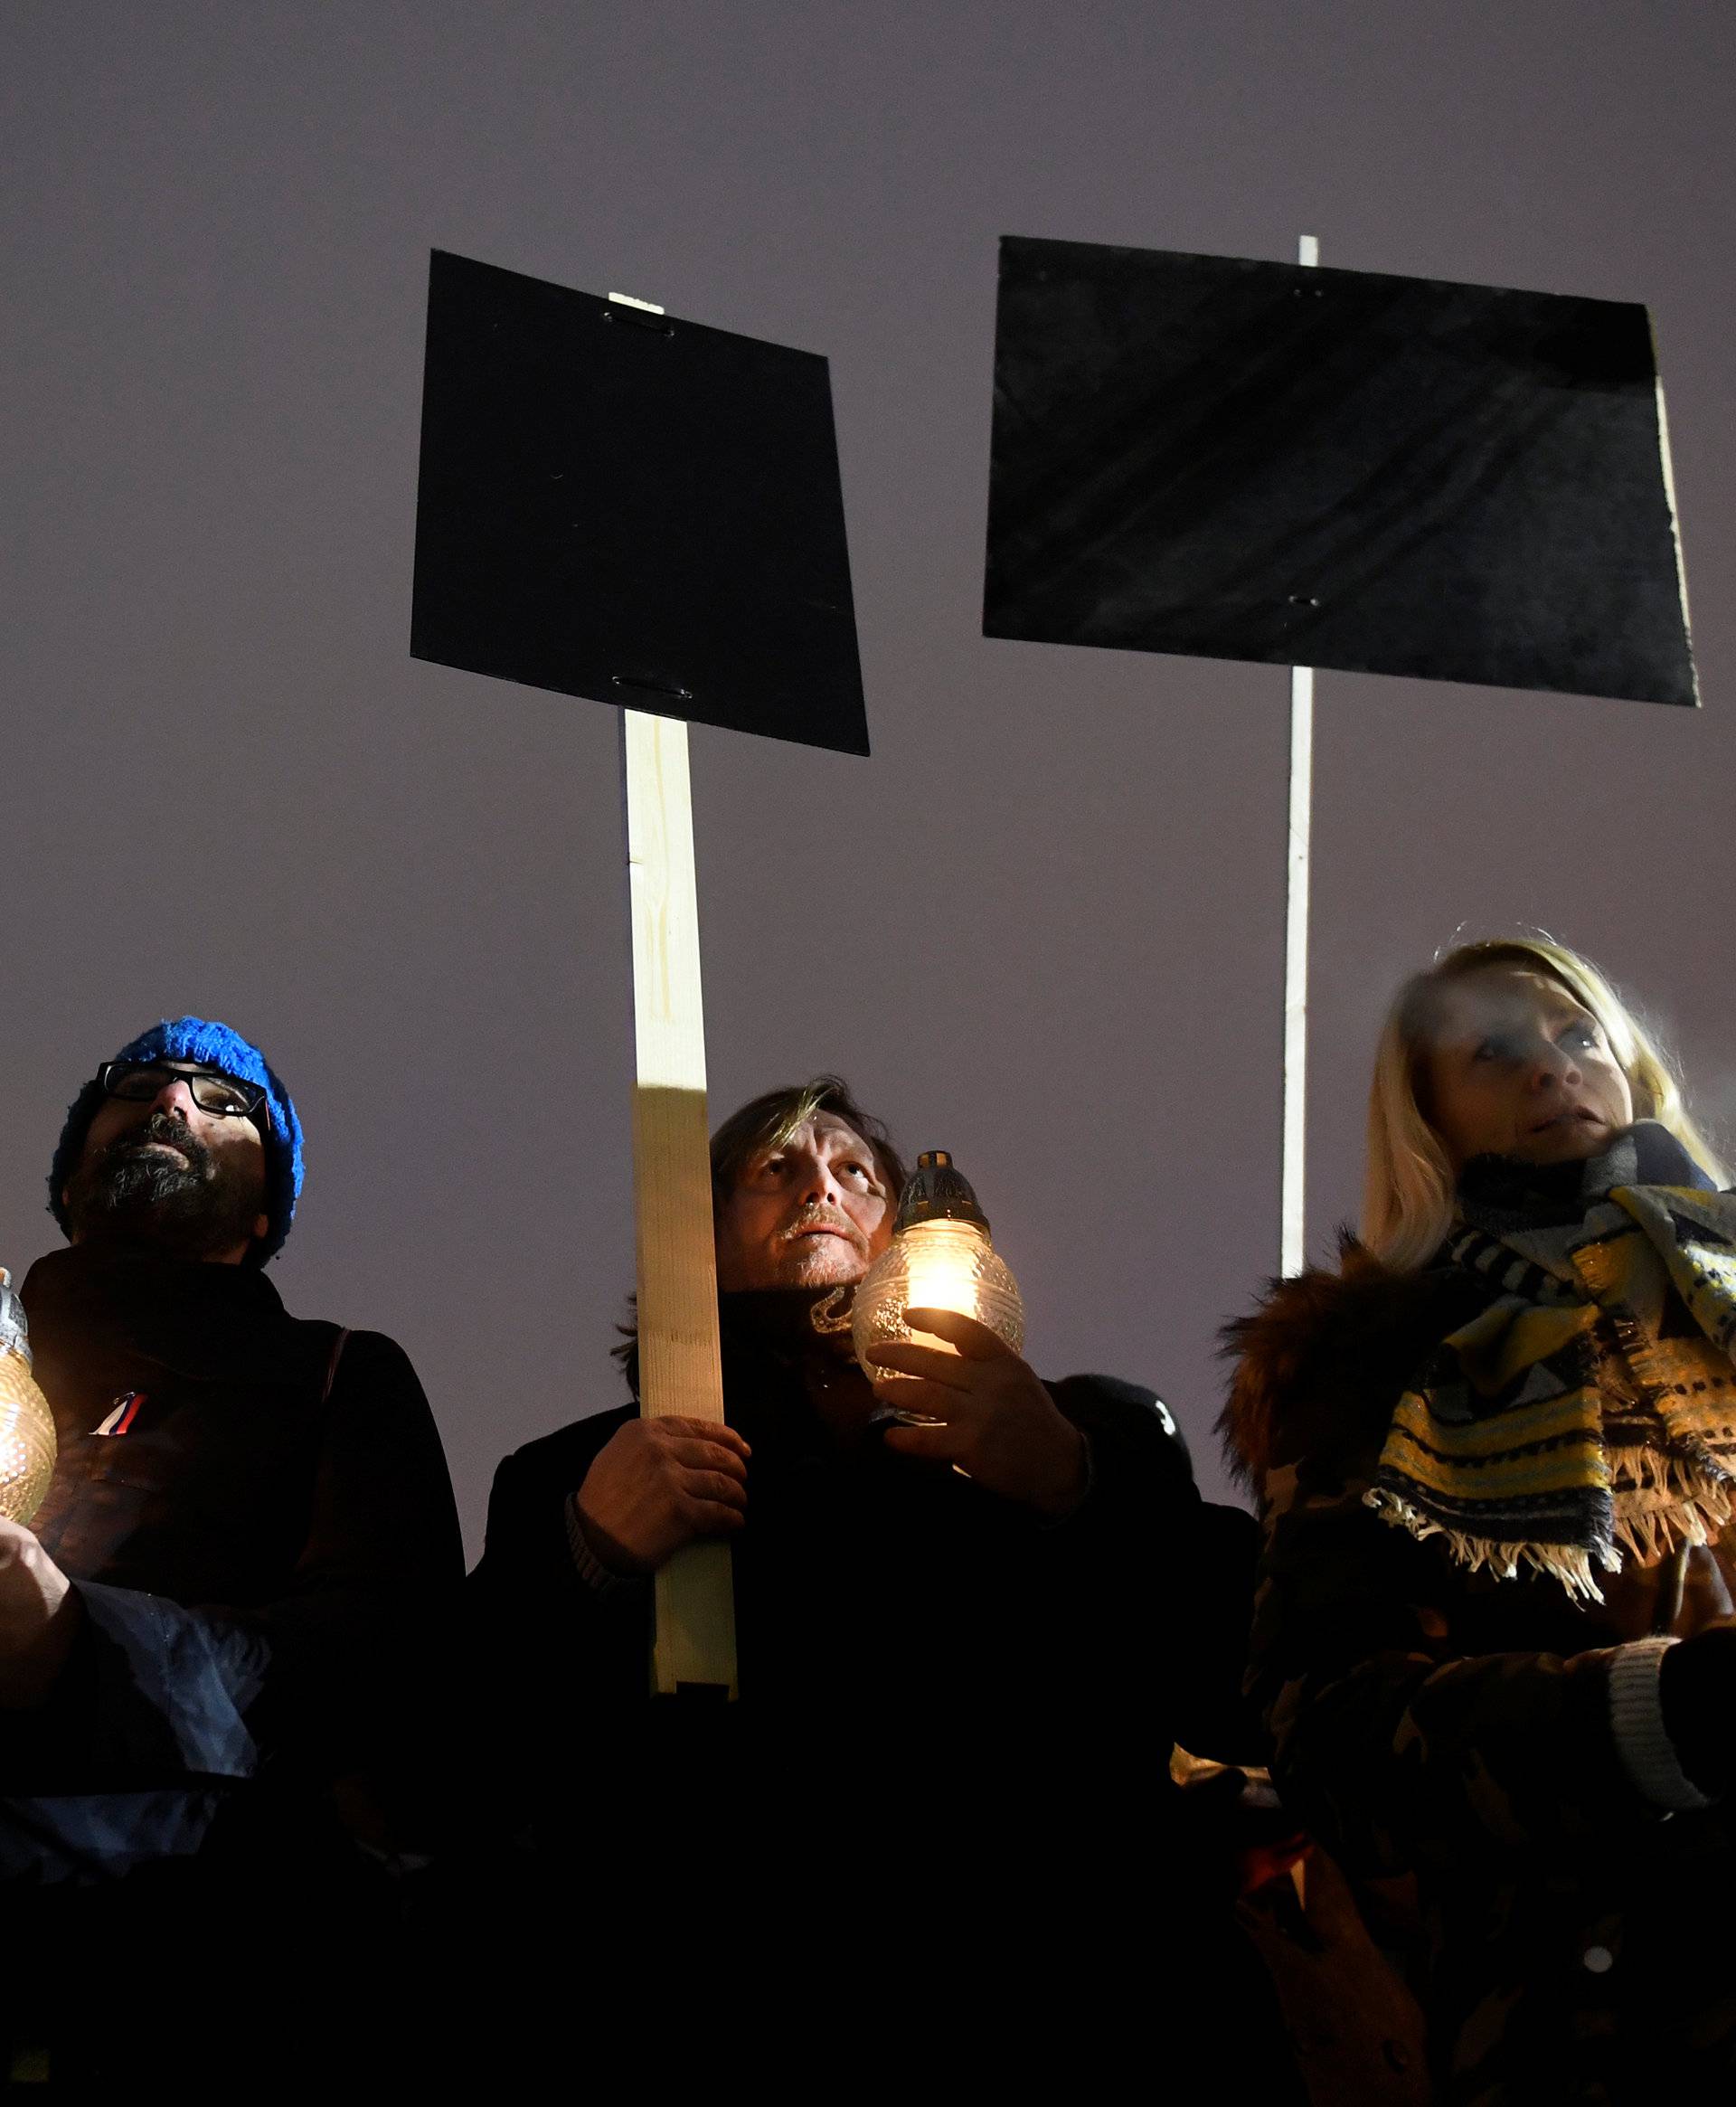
989	1412
940	1328
39	1617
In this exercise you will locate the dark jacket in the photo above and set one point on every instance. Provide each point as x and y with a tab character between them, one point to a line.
949	1764
878	1585
264	1558
1449	1727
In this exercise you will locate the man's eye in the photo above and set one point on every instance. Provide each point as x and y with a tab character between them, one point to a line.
211	1094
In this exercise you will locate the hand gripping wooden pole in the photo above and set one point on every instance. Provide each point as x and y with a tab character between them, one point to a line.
680	1368
1292	1205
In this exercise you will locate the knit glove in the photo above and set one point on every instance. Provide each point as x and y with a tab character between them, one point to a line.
1696	1688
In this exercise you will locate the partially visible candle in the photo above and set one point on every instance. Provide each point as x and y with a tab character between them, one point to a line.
27	1445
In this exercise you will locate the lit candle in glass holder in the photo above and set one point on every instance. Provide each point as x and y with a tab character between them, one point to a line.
27	1444
941	1258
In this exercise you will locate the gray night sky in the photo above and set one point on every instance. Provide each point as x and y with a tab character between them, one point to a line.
1042	926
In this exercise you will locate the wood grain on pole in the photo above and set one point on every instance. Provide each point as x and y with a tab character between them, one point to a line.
680	1368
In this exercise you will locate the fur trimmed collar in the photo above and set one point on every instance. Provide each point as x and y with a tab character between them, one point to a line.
1325	1357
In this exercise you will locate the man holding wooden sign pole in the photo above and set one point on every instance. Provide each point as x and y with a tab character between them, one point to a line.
870	1578
959	1688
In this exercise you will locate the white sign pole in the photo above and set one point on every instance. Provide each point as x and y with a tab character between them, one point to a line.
1292	1212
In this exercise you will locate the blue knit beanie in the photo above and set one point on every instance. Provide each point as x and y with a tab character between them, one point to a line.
210	1045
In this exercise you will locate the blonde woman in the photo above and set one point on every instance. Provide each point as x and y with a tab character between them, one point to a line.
1494	1455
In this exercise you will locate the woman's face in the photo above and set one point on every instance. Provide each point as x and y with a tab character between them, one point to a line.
1516	1067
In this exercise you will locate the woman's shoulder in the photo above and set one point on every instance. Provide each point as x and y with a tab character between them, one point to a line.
1323	1358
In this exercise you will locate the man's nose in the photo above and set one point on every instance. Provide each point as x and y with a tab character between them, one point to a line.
817	1183
176	1097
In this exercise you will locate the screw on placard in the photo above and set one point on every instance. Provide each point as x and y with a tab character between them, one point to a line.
652	687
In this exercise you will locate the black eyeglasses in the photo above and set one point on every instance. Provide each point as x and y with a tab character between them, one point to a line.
219	1094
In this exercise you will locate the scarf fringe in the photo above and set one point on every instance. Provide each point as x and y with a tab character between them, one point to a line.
1568	1564
1696	1511
1700	1510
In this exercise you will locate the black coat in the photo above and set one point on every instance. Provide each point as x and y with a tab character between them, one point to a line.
264	1556
894	1592
1456	1729
945	1788
270	1572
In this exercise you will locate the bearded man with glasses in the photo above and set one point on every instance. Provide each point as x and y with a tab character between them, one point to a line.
231	1597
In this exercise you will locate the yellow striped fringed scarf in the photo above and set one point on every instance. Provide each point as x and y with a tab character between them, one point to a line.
1588	1413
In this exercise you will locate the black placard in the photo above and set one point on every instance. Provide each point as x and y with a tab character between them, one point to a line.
1302	465
632	507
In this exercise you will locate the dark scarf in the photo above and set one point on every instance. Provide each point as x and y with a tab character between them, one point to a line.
1588	1412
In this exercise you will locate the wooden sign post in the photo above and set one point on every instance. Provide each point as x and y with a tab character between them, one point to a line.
679	1367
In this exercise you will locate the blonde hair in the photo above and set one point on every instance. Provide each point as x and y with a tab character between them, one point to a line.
1407	1196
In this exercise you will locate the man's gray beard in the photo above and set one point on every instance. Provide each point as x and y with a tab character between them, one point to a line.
134	1198
830	1262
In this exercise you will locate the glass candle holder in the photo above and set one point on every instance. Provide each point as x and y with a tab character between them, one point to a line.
941	1258
27	1444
